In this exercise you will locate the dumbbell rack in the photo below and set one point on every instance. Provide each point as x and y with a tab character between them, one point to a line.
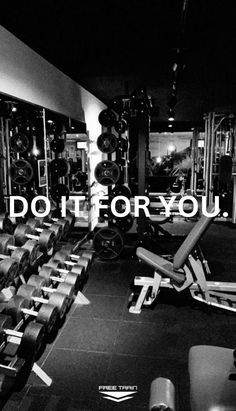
9	370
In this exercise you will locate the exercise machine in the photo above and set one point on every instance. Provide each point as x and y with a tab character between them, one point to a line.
187	271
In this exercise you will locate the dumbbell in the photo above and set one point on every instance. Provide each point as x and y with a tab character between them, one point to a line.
6	225
44	285
56	299
35	226
46	240
52	268
7	244
68	250
47	221
63	255
8	272
56	214
31	340
21	255
19	306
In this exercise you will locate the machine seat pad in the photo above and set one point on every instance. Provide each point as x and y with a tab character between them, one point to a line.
192	239
159	264
210	386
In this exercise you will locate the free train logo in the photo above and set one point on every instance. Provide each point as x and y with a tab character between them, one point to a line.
118	393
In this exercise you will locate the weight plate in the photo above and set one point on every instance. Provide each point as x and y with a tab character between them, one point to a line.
19	143
33	248
21	172
121	190
48	316
123	223
59	167
32	340
58	191
6	225
107	173
107	143
107	118
21	255
80	181
57	145
108	242
120	126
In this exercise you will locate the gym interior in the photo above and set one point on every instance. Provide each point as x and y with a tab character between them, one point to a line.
118	206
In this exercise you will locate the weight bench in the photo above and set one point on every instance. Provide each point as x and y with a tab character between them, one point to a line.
212	378
186	271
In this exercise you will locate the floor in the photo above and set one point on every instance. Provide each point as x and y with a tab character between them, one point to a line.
103	344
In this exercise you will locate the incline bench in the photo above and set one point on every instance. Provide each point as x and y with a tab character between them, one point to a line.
186	271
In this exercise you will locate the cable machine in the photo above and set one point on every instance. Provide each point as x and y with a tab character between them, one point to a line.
220	162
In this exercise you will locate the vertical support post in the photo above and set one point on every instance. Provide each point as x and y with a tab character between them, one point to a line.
45	151
143	145
234	201
211	157
8	160
194	153
2	173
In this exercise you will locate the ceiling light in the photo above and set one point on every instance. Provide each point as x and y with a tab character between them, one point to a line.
171	148
170	125
171	115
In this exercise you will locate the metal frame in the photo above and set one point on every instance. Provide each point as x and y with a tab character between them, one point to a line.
213	293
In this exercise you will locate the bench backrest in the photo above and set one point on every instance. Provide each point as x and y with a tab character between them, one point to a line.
192	239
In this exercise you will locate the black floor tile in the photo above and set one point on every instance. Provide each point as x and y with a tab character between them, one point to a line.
102	307
75	374
128	370
108	282
160	314
88	334
147	339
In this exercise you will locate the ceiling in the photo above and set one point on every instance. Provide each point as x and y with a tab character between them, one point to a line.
113	47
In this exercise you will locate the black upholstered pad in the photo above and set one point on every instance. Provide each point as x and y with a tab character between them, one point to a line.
210	387
159	264
192	239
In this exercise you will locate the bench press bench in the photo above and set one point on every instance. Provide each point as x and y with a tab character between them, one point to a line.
186	271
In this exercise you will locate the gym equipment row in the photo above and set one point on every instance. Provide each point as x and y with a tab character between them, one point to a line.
34	312
108	242
212	372
22	250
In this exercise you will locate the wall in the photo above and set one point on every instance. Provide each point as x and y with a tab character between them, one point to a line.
27	76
